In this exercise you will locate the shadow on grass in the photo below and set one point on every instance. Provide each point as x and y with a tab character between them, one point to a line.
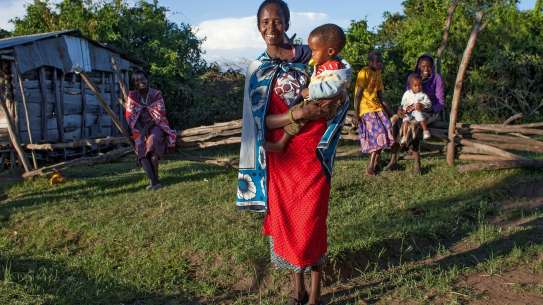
464	215
67	285
115	179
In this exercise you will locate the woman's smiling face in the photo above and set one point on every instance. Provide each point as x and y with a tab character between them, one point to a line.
272	25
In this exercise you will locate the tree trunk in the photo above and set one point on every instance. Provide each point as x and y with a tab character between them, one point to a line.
494	165
478	26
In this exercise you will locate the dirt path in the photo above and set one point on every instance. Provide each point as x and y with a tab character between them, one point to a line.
521	284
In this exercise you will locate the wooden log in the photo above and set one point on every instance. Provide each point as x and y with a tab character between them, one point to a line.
446	31
518	147
59	109
469	128
110	112
83	109
217	127
225	162
122	86
513	118
212	135
25	108
104	158
13	137
478	26
233	140
491	150
495	165
508	142
477	157
43	113
79	143
488	137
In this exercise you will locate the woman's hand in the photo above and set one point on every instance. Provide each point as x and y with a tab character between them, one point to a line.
419	107
401	112
309	112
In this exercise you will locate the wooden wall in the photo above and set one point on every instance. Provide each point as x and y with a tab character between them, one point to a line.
62	109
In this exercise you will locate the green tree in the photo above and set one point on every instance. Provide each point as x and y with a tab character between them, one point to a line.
507	59
171	51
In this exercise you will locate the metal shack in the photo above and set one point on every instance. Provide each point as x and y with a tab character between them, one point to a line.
37	80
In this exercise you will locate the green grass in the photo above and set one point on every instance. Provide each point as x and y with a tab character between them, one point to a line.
100	238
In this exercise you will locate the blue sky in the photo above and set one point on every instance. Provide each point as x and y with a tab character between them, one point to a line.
229	27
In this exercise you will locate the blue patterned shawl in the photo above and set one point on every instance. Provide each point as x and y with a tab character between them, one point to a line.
252	178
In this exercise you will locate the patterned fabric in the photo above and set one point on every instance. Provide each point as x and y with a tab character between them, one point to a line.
330	79
375	132
262	73
150	108
280	263
371	83
333	64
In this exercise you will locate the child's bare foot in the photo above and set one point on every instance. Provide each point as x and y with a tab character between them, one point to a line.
426	134
370	172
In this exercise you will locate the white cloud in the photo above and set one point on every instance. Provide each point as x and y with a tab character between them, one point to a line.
11	9
229	39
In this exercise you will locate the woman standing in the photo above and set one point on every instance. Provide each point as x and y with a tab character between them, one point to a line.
146	116
292	187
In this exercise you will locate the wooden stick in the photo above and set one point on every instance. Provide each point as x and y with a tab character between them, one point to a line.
103	103
79	143
13	137
513	118
446	30
478	26
491	150
234	140
477	157
25	108
467	128
122	86
105	158
43	109
495	165
488	137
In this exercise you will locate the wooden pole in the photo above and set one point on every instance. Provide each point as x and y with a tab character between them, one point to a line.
13	136
122	86
446	31
478	26
25	108
103	103
104	158
83	110
505	164
43	110
59	107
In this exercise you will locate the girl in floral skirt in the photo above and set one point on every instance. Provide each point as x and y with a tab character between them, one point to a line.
374	127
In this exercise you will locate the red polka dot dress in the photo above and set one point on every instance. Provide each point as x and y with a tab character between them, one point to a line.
298	195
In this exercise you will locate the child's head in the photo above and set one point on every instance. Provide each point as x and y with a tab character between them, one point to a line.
325	42
375	60
415	82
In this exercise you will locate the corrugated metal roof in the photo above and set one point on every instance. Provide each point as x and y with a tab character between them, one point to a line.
20	40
